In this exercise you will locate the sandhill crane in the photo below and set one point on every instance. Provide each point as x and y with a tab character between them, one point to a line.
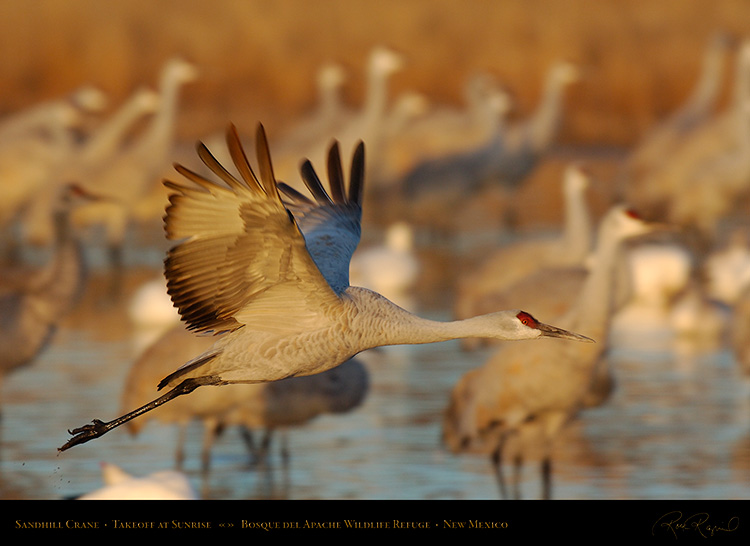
34	144
296	401
172	349
525	142
662	139
537	391
32	306
727	269
328	113
702	178
272	278
715	188
86	159
109	135
442	131
511	263
369	122
739	330
48	114
305	133
280	404
132	173
161	485
508	156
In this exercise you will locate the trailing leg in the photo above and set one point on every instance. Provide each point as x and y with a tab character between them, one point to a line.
99	428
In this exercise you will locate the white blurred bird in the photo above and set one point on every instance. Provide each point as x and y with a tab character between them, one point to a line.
163	485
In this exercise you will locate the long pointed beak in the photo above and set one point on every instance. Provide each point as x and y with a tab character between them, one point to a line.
554	331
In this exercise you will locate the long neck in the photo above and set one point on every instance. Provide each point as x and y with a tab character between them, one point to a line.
742	78
330	101
577	231
706	91
479	103
542	126
111	133
594	306
157	140
42	115
742	96
389	324
58	285
377	96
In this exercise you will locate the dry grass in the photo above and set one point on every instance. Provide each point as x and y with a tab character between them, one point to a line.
258	57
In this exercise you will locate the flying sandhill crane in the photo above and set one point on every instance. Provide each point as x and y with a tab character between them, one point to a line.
272	278
32	305
518	395
507	157
161	485
129	176
270	406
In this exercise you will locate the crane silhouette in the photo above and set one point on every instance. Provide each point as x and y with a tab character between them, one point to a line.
266	269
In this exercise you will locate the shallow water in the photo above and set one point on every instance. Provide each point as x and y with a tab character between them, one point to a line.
676	427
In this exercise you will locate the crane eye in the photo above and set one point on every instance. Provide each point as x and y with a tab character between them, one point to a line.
633	214
526	319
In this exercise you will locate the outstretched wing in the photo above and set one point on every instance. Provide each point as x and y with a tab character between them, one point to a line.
242	256
331	223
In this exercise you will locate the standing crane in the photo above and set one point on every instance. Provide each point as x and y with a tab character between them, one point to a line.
32	306
530	395
269	275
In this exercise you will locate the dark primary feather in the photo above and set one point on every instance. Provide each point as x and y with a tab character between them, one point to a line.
264	160
240	160
239	240
331	224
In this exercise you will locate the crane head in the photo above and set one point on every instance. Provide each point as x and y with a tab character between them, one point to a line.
539	329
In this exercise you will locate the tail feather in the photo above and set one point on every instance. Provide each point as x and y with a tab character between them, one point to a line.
188	367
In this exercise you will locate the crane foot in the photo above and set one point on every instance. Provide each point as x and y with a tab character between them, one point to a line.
85	433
